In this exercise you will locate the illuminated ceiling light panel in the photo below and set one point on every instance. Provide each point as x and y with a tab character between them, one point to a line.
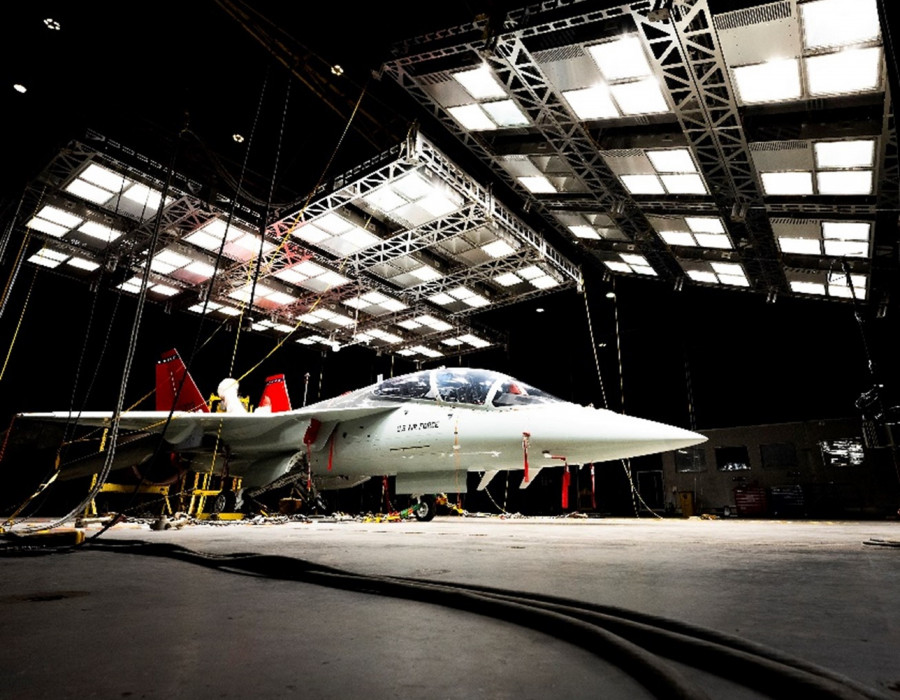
643	184
384	199
83	264
537	184
480	83
473	118
426	273
240	244
773	81
508	279
331	279
498	249
210	307
840	286
544	282
705	224
47	227
229	311
103	177
845	154
312	340
453	342
243	293
45	258
423	350
163	289
672	160
846	182
622	58
847	230
460	293
409	324
584	231
640	97
200	269
592	102
441	298
170	258
631	264
531	272
843	72
86	190
433	323
283	328
101	232
684	184
476	301
505	113
804	287
800	246
144	196
703	276
58	216
839	22
731	274
787	183
280	298
385	336
682	238
474	340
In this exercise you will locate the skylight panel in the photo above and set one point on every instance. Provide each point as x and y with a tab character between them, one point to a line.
91	193
640	97
847	71
472	117
772	81
643	184
506	113
787	183
703	276
804	287
845	154
58	216
592	102
480	83
713	240
584	231
441	298
101	232
846	182
705	224
846	249
847	230
384	199
199	268
622	58
672	160
83	264
426	273
47	227
498	249
507	279
537	184
684	184
682	238
102	177
839	22
800	246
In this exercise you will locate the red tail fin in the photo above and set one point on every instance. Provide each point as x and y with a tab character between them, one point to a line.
275	395
170	371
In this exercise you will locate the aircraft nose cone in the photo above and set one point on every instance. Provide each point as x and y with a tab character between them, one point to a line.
596	435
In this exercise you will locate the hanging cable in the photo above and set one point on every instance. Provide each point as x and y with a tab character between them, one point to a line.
587	311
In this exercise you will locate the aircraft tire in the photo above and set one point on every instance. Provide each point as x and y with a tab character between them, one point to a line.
425	511
225	502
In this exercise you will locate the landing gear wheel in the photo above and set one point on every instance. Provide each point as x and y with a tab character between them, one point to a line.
225	502
425	511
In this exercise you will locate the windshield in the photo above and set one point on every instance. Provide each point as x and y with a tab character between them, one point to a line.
477	387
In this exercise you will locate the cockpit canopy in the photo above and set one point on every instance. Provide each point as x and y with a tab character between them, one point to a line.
476	387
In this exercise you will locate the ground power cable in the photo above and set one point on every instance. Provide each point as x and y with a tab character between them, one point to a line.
632	640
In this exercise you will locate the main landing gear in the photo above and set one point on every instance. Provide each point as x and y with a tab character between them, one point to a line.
424	511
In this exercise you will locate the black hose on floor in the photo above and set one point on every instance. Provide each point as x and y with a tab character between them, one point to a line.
631	640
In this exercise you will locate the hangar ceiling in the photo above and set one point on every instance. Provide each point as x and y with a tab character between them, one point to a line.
751	149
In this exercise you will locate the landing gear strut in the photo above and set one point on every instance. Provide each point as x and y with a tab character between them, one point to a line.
425	511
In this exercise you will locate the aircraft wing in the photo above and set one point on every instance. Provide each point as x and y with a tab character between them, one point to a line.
241	428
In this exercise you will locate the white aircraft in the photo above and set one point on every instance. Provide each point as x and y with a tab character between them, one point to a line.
428	429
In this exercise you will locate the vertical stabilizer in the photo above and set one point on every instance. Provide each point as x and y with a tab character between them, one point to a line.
175	389
275	396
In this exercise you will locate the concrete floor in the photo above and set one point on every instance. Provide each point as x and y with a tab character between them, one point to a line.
105	620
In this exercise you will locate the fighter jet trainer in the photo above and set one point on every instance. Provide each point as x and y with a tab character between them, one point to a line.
428	429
